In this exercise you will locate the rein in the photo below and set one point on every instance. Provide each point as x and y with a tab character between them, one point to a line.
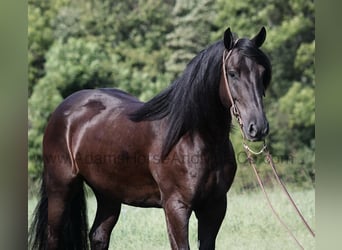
264	150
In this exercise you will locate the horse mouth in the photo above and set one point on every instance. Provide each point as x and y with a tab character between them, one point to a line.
255	139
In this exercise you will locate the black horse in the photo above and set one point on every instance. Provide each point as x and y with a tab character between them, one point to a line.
171	152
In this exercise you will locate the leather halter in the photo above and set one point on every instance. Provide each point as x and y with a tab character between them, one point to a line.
234	109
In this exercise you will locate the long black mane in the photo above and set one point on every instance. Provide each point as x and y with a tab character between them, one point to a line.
192	103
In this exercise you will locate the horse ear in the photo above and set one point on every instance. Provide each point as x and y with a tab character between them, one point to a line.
228	39
259	39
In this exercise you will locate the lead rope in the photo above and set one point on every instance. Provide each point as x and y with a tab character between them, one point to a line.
234	110
251	162
270	161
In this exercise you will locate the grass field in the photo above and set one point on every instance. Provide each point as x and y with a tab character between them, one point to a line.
249	224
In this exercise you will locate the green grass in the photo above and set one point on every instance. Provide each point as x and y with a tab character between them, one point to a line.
249	224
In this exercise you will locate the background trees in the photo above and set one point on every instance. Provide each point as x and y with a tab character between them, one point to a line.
141	46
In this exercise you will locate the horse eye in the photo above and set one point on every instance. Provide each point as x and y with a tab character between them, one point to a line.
232	74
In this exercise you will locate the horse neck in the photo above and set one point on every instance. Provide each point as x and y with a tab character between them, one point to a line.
219	129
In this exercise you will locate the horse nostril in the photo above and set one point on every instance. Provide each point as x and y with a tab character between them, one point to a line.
252	129
256	132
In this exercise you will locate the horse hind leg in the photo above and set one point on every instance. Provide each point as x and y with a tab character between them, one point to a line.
67	221
67	216
66	203
107	215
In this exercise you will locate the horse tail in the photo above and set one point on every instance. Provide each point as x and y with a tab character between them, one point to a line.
74	233
75	229
38	228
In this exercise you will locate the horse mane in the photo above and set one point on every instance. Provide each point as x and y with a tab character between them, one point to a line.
191	103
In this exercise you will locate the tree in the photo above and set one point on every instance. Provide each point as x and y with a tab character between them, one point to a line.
192	22
40	38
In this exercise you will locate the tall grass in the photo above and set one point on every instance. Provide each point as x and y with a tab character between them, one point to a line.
249	224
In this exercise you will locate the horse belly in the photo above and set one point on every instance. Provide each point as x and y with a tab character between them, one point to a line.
121	176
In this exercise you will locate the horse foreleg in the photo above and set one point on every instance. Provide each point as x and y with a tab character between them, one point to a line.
210	217
177	215
107	215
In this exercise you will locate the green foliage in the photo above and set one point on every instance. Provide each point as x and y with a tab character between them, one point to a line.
305	63
39	40
192	21
141	46
77	64
299	106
